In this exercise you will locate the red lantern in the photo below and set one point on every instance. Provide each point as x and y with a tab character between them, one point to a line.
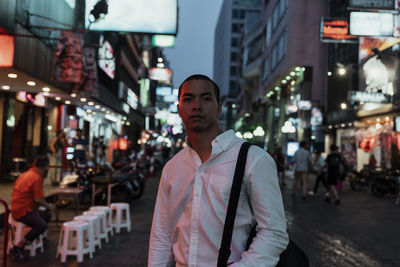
367	143
123	143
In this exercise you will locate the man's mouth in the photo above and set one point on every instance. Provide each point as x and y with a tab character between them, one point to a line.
196	117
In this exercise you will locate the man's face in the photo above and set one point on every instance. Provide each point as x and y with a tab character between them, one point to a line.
198	105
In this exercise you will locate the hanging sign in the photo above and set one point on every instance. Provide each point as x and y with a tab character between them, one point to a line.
367	143
336	31
360	96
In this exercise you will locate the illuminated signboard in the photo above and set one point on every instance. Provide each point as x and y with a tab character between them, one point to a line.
141	16
375	4
360	96
160	74
132	99
371	24
163	40
164	90
6	49
304	105
336	30
36	99
144	92
106	58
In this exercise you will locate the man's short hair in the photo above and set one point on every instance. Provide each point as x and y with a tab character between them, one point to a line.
41	161
333	147
200	77
303	144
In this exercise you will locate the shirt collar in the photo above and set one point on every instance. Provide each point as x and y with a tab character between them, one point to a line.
36	170
222	140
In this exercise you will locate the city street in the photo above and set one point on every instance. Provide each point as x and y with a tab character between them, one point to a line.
362	231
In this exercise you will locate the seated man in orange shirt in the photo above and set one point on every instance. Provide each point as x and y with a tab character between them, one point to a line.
27	196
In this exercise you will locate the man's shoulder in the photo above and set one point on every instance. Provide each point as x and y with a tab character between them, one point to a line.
178	157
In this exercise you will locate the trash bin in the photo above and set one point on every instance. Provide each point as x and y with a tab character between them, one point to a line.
18	166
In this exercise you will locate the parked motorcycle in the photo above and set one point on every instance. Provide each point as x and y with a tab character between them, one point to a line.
386	184
362	179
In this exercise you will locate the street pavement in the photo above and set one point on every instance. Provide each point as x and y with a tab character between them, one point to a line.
361	231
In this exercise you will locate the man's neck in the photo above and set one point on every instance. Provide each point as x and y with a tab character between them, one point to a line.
201	142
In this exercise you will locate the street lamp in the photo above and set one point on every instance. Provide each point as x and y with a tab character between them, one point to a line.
341	71
343	106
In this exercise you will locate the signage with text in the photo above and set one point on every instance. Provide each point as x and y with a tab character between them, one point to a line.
336	31
375	4
359	96
371	24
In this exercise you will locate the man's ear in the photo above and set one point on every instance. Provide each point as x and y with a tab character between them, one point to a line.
179	112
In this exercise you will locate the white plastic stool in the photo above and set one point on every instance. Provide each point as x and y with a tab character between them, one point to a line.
19	230
103	223
73	240
121	217
94	240
107	210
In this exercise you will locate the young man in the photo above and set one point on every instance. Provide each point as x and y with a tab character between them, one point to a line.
302	160
26	197
195	187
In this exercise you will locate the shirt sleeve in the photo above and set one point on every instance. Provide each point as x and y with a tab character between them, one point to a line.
160	247
266	201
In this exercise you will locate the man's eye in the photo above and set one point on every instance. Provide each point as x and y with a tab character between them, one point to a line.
207	98
187	99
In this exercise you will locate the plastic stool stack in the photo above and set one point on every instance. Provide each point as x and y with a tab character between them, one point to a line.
93	229
107	210
103	223
74	240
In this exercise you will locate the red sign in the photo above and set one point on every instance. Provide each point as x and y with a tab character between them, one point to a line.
336	30
6	49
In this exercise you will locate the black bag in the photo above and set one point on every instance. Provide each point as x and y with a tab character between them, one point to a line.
292	256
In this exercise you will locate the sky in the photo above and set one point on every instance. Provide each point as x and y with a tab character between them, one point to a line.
194	49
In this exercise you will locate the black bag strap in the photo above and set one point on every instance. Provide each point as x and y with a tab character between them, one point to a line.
225	250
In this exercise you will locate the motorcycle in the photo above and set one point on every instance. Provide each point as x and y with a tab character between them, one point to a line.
362	179
386	184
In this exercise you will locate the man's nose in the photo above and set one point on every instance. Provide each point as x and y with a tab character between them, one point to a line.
196	103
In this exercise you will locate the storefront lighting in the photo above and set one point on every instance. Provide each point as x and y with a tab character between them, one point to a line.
160	65
350	124
292	73
313	137
292	89
297	69
71	117
46	93
259	131
291	97
111	118
378	126
46	89
303	69
5	87
12	75
67	102
108	112
88	111
343	106
336	126
49	127
378	119
329	73
94	112
277	88
387	118
330	126
97	106
288	127
343	125
31	83
73	95
83	99
284	81
248	135
341	71
128	123
124	118
247	114
90	103
160	59
103	109
233	105
288	77
239	134
58	98
293	82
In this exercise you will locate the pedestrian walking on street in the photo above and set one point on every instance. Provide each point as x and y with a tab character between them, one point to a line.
26	197
320	169
57	149
195	186
280	165
302	161
334	163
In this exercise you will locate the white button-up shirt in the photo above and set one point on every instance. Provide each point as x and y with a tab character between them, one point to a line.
192	202
301	158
